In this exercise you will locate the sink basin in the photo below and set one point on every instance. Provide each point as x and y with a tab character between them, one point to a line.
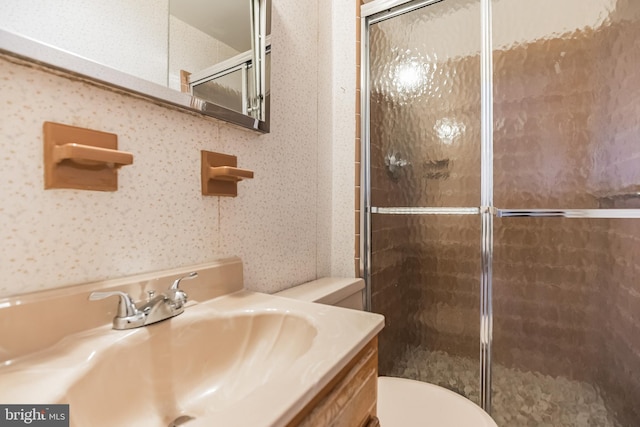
240	359
187	368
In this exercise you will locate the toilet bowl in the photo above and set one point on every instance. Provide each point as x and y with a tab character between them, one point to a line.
401	402
409	403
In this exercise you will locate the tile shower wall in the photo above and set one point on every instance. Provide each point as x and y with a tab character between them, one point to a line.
158	219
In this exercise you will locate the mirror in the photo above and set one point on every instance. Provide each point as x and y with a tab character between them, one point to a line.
211	56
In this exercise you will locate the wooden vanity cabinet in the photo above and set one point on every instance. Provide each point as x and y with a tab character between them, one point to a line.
349	400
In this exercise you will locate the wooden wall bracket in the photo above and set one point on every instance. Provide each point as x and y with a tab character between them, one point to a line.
220	174
83	159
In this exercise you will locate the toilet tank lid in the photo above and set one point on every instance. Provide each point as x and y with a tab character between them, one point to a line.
328	290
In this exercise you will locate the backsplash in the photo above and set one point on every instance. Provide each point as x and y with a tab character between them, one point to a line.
158	219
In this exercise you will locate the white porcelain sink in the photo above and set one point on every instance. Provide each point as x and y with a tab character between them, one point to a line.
241	359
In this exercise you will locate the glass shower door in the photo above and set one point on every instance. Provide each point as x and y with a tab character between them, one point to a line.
566	293
543	120
424	157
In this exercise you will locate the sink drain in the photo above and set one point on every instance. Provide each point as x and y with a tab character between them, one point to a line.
180	420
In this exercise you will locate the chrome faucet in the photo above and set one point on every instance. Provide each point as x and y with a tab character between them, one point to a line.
157	308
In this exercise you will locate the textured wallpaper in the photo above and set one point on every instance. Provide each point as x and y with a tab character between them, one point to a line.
158	218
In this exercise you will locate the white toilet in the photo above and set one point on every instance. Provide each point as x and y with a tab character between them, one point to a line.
401	402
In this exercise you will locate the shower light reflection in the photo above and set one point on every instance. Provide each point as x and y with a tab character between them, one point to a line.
410	76
448	130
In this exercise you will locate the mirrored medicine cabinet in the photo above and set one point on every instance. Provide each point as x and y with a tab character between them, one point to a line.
208	56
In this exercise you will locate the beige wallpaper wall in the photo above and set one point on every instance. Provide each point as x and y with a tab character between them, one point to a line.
158	219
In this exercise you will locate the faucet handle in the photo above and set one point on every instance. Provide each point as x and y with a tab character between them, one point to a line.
178	296
176	283
126	306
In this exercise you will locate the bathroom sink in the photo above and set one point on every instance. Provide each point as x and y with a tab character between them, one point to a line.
188	367
240	359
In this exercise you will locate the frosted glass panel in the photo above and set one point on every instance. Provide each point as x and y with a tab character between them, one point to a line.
425	281
567	102
566	325
425	107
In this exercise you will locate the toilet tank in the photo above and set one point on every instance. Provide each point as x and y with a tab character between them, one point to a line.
338	291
